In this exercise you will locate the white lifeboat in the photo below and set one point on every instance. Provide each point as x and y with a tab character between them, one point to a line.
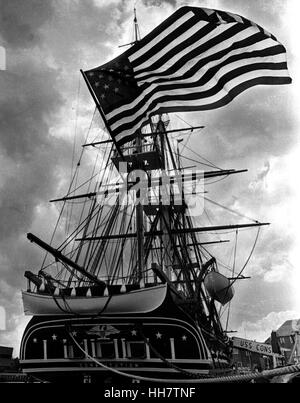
219	287
134	302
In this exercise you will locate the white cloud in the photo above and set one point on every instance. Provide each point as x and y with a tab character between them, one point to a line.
13	337
2	318
217	4
105	3
15	323
278	271
261	329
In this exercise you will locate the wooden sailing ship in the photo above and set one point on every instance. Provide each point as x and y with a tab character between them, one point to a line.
133	292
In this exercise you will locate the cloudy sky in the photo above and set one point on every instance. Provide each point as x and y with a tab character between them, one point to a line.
44	103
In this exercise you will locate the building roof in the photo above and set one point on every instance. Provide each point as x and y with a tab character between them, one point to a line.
288	328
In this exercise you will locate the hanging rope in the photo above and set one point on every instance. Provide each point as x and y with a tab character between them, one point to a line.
233	273
200	156
69	190
230	210
249	257
222	379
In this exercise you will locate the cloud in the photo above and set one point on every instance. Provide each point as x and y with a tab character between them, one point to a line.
21	21
30	100
39	100
278	270
12	323
261	329
103	3
268	13
14	326
260	180
158	3
47	43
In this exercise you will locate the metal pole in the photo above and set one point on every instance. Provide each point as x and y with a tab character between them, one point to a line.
139	219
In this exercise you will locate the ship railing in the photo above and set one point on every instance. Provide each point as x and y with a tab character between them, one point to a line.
148	146
103	290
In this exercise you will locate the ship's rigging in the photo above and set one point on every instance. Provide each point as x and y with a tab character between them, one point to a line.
93	254
136	249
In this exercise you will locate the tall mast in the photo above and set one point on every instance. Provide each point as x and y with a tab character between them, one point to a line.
139	219
139	207
136	28
165	220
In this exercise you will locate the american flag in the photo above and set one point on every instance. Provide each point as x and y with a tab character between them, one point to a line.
197	59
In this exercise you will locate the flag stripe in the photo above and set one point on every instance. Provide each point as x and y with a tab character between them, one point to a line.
196	65
168	48
212	58
141	55
190	56
261	77
202	96
187	100
194	46
204	79
162	34
197	59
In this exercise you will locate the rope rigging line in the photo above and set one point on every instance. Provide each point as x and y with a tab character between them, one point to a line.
76	126
97	247
89	180
184	121
233	273
64	204
71	237
249	257
115	256
165	360
101	246
230	210
122	245
210	222
185	146
217	180
205	159
191	159
92	206
75	177
222	379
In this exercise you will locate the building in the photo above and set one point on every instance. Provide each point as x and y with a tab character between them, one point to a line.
288	339
249	355
245	361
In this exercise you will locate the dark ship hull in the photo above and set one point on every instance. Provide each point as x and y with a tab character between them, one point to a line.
163	344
